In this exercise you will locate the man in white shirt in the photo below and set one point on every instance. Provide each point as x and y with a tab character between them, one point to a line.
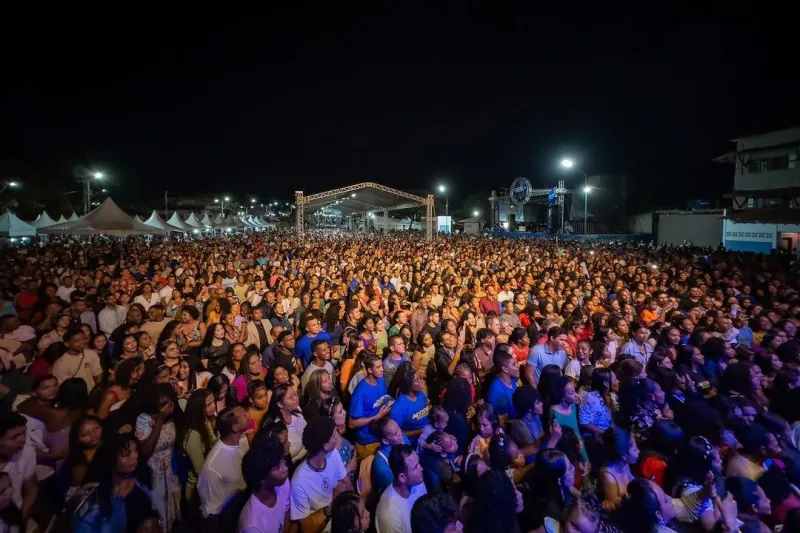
506	293
266	473
221	476
78	361
18	460
112	315
393	514
66	288
320	477
166	292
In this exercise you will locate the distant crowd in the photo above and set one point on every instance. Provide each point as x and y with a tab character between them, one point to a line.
366	382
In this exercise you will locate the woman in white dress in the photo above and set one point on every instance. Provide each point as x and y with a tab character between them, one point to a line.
156	432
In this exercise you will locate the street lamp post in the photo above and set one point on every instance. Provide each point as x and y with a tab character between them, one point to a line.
9	185
87	189
443	189
570	164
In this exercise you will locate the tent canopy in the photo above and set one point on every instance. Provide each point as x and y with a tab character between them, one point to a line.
43	220
157	222
13	226
176	222
193	221
108	218
73	217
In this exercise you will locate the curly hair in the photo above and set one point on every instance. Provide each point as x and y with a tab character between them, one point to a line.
264	455
345	512
317	433
494	506
433	513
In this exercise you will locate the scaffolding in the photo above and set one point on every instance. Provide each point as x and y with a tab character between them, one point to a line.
363	198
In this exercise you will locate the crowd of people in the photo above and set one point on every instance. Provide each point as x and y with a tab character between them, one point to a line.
378	382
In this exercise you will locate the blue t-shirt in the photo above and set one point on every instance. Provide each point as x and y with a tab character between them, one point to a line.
410	415
499	396
381	474
303	346
366	402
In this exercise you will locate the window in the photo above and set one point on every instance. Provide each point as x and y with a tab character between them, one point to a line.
783	162
793	160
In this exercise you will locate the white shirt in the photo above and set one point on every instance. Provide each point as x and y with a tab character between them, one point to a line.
85	366
166	293
393	514
502	296
295	436
313	368
65	292
19	468
221	476
110	319
312	490
154	299
258	518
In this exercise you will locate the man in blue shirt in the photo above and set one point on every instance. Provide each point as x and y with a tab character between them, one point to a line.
390	435
313	332
502	388
550	353
367	405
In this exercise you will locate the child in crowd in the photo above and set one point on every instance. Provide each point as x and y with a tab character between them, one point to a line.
437	421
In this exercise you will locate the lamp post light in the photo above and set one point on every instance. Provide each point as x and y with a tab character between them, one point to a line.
9	185
570	164
87	189
476	213
443	190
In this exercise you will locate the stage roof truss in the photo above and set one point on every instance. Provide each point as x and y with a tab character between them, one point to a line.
367	197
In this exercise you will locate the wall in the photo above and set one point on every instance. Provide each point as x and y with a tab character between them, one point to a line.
749	237
641	223
608	237
702	229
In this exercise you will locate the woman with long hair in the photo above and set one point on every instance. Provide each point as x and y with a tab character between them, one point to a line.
233	332
457	401
333	408
620	452
215	346
495	504
353	346
230	365
198	436
520	344
422	357
191	332
563	407
549	486
123	492
745	379
637	407
128	348
319	388
249	370
223	393
669	340
126	377
285	407
348	514
599	403
157	430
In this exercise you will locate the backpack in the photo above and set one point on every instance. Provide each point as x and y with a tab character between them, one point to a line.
365	477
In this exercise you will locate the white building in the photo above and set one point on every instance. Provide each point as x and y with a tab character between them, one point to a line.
766	193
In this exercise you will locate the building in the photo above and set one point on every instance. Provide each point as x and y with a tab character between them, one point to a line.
675	227
766	193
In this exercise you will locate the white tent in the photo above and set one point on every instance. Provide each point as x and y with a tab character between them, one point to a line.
13	226
108	219
61	220
43	220
246	221
137	219
233	222
261	222
192	221
206	221
157	222
176	222
218	219
73	217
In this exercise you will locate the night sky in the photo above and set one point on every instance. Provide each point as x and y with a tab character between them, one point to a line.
265	103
